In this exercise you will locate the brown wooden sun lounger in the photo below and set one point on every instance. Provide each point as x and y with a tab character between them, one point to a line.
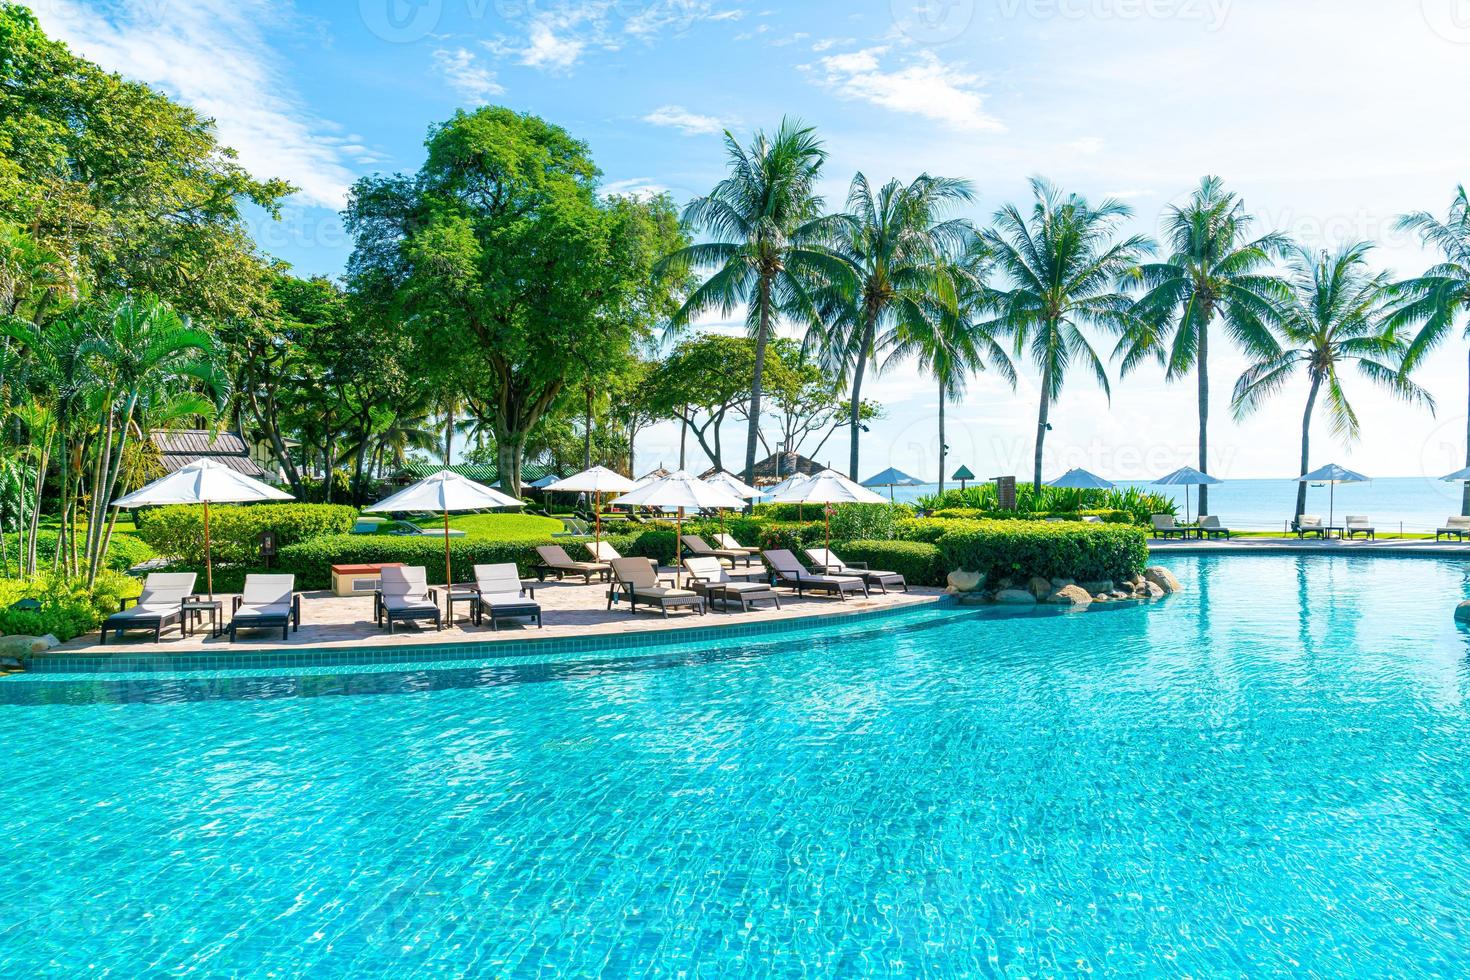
637	580
699	548
556	561
790	573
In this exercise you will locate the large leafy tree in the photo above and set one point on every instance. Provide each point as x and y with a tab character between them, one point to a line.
133	188
1431	304
1062	265
1215	271
1334	317
766	245
897	241
499	254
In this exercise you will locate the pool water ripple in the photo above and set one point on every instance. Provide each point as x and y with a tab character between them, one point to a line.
1263	775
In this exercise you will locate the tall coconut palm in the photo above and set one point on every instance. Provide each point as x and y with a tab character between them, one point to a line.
1434	301
766	244
1333	317
1214	271
897	242
1064	265
954	339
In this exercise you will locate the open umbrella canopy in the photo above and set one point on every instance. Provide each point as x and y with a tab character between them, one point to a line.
730	483
443	492
1459	476
680	489
203	481
827	487
544	483
1187	476
1332	473
598	479
892	477
963	474
1080	479
794	480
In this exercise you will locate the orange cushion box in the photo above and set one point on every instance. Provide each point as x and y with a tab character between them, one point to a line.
358	579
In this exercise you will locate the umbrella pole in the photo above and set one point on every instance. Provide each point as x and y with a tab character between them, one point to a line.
678	540
827	510
597	516
208	562
1331	501
448	578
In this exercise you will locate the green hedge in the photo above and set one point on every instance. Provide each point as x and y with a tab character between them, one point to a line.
178	531
918	563
124	552
68	609
1084	552
971	514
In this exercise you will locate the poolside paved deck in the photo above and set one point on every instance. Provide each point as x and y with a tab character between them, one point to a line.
1290	545
569	610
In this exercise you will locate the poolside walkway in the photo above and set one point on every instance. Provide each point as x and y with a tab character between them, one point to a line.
1408	547
569	610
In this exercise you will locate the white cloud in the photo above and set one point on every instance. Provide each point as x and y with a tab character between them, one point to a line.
828	43
923	86
466	75
641	187
215	56
680	118
1087	145
547	50
557	37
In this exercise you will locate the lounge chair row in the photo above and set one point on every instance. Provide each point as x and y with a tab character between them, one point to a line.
266	602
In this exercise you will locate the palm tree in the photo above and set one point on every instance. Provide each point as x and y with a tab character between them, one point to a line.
1434	300
896	243
1064	265
954	340
1335	315
1215	270
767	244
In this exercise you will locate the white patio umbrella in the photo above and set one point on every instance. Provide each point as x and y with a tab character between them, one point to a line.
680	490
828	487
1186	477
794	480
1332	475
446	491
203	482
597	481
742	490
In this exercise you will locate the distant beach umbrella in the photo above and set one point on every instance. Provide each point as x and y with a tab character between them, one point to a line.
1080	479
597	481
1332	475
446	491
891	478
1186	477
202	482
1459	476
964	475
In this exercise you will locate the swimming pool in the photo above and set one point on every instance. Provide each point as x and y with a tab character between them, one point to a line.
1264	774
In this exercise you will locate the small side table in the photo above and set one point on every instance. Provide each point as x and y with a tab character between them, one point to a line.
192	610
462	593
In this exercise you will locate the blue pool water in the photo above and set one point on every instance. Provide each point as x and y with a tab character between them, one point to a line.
1264	775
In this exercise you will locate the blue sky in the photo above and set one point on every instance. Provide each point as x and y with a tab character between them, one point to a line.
1331	118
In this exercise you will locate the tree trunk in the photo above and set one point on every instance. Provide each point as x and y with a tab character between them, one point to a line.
763	335
449	435
587	434
854	412
683	438
942	400
1041	423
1201	366
508	457
1301	488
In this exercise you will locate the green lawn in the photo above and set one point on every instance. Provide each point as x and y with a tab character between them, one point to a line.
503	527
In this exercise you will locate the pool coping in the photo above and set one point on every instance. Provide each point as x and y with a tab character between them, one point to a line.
125	661
1279	546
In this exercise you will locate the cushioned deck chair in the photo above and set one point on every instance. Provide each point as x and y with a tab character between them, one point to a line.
728	542
637	580
699	548
1455	527
712	580
602	552
824	560
500	594
1164	527
556	561
1355	524
266	602
404	595
1306	524
1210	527
790	573
157	608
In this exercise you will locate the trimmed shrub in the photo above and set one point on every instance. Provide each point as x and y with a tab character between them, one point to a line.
971	514
1139	504
1067	550
68	609
124	552
178	531
917	562
926	530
